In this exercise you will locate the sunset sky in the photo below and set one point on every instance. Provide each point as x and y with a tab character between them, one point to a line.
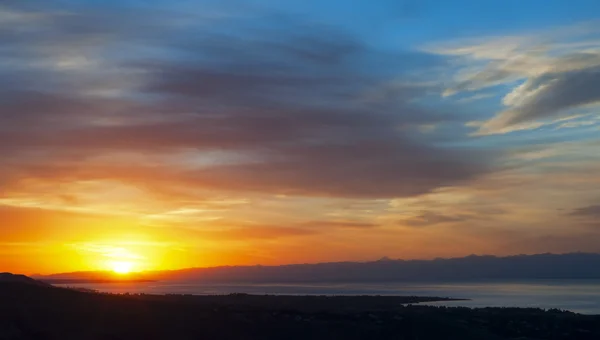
147	135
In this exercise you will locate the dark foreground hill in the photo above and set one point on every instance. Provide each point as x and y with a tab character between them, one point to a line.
36	312
14	278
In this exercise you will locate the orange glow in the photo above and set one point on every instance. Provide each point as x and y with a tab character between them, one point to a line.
44	238
168	140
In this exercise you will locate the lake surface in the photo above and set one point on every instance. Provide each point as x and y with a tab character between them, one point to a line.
581	296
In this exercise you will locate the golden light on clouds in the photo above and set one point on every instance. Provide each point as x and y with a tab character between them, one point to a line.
107	257
126	161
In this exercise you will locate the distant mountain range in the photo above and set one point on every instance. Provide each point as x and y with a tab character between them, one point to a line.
540	266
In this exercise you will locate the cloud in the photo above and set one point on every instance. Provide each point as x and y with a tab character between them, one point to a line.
547	97
245	232
589	211
276	107
430	218
554	75
106	250
475	97
340	224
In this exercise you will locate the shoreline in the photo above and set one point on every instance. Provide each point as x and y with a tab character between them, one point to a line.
307	303
30	311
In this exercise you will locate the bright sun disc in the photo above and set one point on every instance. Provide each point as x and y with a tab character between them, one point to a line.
122	267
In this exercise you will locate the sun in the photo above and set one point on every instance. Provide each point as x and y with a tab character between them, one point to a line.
122	267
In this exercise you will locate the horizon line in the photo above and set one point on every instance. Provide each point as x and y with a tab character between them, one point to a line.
381	259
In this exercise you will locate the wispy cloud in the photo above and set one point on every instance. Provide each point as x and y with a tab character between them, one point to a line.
555	74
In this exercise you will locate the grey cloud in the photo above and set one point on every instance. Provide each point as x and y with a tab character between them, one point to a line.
293	99
554	94
384	168
557	77
589	211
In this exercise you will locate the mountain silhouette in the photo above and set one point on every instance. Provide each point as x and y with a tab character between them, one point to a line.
473	267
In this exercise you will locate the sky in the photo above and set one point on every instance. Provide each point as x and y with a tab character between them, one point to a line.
151	135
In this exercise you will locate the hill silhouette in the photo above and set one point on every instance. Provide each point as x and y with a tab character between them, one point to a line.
21	279
31	311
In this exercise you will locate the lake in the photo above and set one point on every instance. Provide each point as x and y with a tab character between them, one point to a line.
581	296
